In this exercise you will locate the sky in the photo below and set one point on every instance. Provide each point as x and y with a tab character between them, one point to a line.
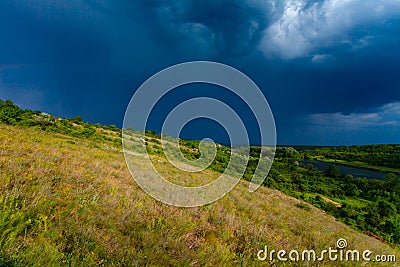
329	68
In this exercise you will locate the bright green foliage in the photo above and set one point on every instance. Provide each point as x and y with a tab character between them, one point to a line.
69	201
12	115
66	196
372	156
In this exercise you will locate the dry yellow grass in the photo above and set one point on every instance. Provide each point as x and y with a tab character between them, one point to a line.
69	201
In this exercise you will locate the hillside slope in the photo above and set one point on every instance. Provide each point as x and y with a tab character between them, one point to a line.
71	201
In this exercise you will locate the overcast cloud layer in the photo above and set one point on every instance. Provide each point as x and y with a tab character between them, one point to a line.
321	64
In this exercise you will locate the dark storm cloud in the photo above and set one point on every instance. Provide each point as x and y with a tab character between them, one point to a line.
225	27
81	59
309	57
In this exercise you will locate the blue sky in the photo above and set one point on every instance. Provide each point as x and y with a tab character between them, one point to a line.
328	68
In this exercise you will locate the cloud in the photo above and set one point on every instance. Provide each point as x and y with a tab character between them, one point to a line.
83	55
303	26
388	114
224	27
320	58
373	126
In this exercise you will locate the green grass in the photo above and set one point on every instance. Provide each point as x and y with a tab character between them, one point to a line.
67	199
71	202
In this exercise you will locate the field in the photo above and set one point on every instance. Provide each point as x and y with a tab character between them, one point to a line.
68	199
71	202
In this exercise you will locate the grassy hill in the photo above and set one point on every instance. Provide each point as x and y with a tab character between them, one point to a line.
68	201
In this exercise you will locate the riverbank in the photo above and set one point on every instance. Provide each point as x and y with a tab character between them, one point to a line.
343	169
360	165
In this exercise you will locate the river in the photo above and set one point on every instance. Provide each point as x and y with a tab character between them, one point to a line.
356	172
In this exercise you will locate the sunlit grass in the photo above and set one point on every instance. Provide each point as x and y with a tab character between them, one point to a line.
72	202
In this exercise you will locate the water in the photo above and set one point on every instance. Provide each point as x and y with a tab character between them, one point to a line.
356	172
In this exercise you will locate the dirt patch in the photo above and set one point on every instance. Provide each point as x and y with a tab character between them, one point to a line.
337	204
